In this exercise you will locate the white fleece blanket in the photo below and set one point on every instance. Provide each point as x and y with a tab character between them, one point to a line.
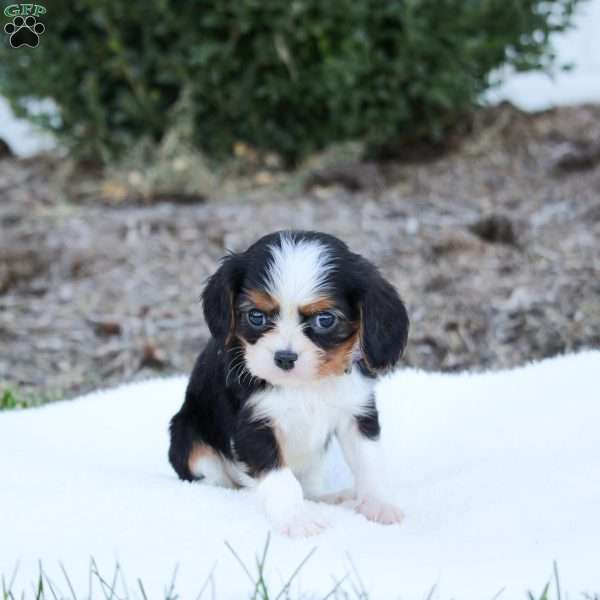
498	474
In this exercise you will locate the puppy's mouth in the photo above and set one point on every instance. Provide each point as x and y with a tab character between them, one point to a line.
281	377
281	373
280	361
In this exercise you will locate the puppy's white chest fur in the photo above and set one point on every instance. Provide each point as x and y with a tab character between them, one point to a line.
305	416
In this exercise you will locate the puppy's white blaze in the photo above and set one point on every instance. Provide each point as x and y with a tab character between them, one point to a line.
298	272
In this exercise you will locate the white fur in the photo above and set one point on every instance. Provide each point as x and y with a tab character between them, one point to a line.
281	496
298	272
287	335
371	496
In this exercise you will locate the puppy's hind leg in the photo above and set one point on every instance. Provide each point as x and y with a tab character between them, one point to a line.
206	465
192	459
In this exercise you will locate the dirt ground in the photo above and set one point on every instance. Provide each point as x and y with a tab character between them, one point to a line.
495	247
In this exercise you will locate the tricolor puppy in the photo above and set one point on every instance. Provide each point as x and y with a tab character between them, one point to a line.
300	328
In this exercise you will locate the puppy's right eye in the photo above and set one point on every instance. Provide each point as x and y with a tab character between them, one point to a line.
257	318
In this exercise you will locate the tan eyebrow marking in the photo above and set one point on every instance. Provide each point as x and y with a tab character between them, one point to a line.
317	306
262	301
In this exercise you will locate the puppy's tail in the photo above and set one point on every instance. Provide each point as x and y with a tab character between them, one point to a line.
182	442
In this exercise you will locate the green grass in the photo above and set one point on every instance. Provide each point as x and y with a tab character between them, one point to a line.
115	587
13	399
10	399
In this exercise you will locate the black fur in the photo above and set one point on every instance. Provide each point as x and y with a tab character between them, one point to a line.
346	325
368	422
216	410
364	369
384	327
219	295
255	444
213	414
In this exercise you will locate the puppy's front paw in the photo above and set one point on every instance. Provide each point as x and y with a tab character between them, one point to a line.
289	513
379	511
303	524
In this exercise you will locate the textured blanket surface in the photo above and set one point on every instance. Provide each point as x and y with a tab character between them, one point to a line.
498	475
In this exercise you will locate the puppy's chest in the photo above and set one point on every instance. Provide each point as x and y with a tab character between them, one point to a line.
303	425
305	417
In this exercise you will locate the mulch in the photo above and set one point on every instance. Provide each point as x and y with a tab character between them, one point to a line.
495	247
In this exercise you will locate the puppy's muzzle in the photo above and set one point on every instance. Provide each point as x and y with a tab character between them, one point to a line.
285	359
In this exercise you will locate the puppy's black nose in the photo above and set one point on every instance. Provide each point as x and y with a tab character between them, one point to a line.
285	359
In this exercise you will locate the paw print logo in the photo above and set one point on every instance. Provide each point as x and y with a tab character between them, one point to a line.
24	32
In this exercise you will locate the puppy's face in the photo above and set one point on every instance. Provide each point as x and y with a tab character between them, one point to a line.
293	320
296	304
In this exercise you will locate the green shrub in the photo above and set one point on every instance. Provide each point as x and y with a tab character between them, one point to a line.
283	75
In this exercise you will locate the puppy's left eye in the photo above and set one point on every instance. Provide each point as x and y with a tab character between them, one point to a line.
323	321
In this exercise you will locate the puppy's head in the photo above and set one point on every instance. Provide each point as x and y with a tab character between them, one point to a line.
301	307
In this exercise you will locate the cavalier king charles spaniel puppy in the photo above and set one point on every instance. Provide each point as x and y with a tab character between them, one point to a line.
301	327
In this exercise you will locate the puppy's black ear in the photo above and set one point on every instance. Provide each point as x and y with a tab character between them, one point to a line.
219	296
384	321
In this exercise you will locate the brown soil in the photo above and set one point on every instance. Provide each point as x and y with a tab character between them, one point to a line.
495	247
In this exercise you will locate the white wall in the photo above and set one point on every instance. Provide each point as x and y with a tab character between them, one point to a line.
24	139
581	46
529	91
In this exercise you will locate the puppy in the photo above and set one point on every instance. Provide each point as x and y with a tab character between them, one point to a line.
300	326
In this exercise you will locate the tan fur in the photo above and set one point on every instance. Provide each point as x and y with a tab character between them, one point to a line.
337	360
262	301
230	335
361	333
199	451
317	306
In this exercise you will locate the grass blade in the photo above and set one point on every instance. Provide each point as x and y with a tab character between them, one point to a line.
286	587
240	561
335	588
431	592
170	591
361	591
206	582
68	580
142	590
557	582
